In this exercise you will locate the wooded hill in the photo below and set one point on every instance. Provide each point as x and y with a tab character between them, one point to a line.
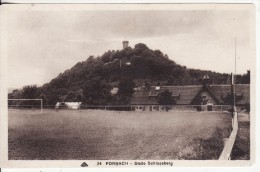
91	81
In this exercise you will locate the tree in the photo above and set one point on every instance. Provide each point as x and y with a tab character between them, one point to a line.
165	98
16	94
71	96
29	92
125	90
141	46
96	92
43	97
228	99
246	78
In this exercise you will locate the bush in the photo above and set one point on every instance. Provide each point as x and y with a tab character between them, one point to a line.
199	108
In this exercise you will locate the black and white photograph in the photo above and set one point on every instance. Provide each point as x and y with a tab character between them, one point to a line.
129	85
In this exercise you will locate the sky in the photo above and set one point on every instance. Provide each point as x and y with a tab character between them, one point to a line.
41	44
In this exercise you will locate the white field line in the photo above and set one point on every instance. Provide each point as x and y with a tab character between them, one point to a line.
225	155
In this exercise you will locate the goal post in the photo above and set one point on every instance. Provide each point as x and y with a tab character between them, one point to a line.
24	100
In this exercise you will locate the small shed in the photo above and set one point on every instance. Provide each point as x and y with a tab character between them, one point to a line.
67	105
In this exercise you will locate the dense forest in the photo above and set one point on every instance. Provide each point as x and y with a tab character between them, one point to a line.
92	80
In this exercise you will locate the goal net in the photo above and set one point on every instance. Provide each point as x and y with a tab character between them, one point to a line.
25	104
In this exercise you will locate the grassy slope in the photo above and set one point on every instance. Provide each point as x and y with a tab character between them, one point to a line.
241	150
96	134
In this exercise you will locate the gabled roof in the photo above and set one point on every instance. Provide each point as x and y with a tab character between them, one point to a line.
205	88
187	93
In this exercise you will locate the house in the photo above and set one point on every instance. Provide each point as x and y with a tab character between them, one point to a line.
145	98
67	105
114	90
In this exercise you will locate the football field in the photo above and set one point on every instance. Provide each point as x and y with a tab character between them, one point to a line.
113	135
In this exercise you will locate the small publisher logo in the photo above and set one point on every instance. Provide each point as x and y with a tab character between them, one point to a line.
84	164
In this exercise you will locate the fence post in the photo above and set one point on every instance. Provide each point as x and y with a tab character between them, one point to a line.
41	105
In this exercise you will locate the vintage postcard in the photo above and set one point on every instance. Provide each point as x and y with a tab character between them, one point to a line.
127	85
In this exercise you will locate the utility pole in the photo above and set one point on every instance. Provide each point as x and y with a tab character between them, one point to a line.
233	82
232	91
234	77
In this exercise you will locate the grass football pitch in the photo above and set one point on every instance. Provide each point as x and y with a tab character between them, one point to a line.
113	135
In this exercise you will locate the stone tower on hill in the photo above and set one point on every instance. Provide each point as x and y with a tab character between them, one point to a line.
125	44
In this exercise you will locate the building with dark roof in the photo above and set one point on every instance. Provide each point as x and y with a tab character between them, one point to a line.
191	95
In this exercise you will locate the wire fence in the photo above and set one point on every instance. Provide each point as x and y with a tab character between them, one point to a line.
181	107
129	107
